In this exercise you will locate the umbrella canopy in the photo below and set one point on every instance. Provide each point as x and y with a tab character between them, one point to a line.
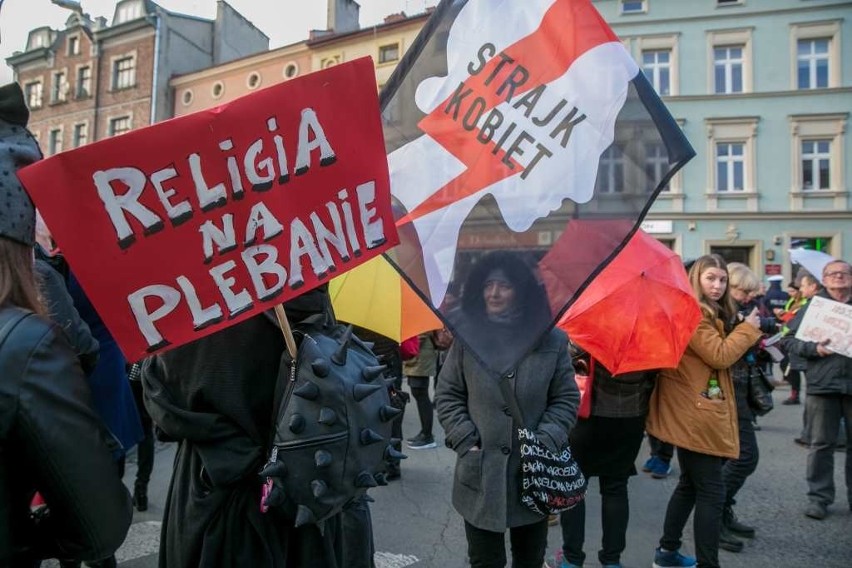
374	296
639	313
813	260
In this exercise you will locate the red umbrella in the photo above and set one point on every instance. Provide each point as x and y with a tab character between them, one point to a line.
639	312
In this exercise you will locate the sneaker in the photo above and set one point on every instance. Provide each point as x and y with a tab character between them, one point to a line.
421	442
672	558
661	469
816	511
649	464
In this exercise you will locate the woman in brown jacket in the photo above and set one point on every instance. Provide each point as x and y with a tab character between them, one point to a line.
685	411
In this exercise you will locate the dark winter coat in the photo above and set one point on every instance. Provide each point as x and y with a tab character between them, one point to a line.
52	441
471	409
831	374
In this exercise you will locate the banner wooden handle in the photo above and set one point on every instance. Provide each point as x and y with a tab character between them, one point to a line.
286	330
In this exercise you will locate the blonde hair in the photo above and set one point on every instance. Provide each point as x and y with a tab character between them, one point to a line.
17	278
724	309
742	278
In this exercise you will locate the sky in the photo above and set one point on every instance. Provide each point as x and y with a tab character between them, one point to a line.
284	21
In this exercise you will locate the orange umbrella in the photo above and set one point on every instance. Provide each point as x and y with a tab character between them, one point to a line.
374	296
639	312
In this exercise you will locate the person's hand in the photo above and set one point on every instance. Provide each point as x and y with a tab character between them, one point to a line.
753	319
822	350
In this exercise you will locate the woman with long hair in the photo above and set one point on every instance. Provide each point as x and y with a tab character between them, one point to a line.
63	497
694	408
502	305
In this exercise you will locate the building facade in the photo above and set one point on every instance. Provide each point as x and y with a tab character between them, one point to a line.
96	79
763	91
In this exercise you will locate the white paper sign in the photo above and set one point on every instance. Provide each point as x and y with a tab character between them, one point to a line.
827	319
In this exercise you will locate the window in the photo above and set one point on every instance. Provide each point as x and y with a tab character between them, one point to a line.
729	57
633	7
329	61
119	125
291	70
81	134
728	69
812	63
84	82
728	2
730	166
124	73
253	80
55	141
38	39
127	12
657	67
186	97
218	89
59	90
34	92
388	53
611	171
656	163
74	45
816	162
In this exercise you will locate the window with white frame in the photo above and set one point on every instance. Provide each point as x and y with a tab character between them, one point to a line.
74	45
656	163
816	165
812	63
124	72
35	94
128	11
55	141
656	63
81	134
728	69
730	61
84	82
730	166
633	6
611	171
817	154
59	89
815	55
119	125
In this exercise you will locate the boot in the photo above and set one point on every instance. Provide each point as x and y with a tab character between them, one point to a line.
730	521
140	496
727	540
794	398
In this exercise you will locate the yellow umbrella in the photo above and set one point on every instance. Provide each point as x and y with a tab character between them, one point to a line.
374	296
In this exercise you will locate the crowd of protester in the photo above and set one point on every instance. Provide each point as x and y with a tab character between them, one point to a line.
72	408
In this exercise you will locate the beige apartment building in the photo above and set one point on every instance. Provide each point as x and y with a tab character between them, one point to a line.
343	40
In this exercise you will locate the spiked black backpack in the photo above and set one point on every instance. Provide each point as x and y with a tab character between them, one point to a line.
332	425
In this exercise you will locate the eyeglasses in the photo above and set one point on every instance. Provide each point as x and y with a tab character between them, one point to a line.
839	274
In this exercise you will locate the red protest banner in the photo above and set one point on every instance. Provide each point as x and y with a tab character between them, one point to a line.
191	225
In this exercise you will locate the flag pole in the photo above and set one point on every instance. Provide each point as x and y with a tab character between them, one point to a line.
284	323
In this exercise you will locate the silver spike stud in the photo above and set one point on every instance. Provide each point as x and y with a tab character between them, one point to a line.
370	437
388	413
304	516
327	416
362	391
370	374
319	488
365	479
274	469
320	367
381	479
297	423
339	356
308	391
322	458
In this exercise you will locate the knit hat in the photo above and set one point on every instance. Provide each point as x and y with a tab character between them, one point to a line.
18	148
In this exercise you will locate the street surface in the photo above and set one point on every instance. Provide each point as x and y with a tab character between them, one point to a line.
415	524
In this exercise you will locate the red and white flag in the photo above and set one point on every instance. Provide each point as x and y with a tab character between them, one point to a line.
509	124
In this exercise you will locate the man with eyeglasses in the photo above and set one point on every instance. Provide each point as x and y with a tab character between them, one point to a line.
829	396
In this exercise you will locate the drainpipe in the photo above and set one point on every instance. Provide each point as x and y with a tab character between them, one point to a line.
155	94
